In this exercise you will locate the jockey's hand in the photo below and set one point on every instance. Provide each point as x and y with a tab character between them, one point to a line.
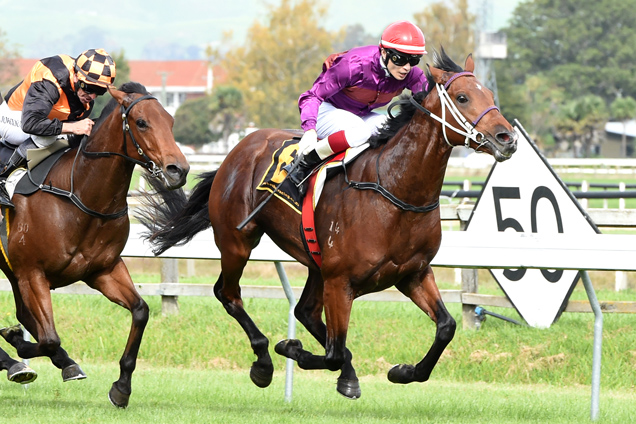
83	127
308	141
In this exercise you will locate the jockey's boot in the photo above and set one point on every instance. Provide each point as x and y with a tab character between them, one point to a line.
16	160
300	175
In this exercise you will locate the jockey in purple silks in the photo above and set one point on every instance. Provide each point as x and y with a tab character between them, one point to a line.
337	112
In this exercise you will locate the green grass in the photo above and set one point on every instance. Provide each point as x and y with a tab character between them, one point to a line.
177	395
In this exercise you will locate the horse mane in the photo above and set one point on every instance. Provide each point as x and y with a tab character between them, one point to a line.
127	87
393	124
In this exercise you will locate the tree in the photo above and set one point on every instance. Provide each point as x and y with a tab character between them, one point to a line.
280	61
204	119
584	46
8	68
192	122
355	36
579	122
450	27
623	109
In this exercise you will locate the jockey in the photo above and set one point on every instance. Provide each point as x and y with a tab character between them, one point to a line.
337	112
55	98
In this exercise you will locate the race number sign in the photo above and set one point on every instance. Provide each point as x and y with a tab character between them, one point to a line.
525	195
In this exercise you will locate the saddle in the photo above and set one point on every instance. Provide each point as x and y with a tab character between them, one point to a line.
39	164
274	180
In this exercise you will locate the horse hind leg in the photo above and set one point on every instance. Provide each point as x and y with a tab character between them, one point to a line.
228	293
308	311
17	372
427	297
15	336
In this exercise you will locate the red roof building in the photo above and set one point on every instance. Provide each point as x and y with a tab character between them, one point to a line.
171	81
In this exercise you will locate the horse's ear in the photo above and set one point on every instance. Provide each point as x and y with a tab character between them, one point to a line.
438	74
470	63
117	95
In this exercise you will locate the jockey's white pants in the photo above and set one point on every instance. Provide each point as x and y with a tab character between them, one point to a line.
11	129
356	129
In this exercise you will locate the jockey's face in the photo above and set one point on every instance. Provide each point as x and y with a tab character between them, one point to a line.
84	96
399	72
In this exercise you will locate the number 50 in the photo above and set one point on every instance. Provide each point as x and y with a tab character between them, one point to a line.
539	193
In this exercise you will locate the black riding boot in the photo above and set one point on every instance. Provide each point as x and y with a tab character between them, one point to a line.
15	161
300	175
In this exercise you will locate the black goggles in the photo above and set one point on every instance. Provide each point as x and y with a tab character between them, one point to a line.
401	59
92	89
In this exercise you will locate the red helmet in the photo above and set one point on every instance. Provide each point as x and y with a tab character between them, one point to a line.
405	37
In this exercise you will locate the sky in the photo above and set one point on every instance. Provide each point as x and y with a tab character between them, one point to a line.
163	29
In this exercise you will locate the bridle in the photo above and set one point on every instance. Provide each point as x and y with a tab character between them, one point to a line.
468	129
146	163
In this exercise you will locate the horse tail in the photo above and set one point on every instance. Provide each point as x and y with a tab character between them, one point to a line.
172	219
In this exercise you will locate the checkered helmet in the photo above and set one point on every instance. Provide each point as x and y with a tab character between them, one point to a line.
95	66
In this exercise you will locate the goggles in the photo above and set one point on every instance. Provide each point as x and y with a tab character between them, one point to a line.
92	89
401	59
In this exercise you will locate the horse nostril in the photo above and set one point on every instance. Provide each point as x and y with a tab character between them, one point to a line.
175	172
504	137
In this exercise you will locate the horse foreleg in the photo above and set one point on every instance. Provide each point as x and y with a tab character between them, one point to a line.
427	297
308	311
228	293
118	287
16	371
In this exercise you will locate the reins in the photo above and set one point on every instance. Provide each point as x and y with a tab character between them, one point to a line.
377	186
147	163
468	130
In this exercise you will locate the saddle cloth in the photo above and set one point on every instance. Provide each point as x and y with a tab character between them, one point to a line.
288	192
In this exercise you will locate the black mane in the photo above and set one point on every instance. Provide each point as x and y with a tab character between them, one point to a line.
393	124
128	87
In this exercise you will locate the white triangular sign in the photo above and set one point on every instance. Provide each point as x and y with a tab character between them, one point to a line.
524	194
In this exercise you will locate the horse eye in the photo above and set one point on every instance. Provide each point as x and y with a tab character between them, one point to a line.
141	124
462	98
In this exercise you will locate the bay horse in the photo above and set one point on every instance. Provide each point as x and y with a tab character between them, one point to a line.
369	242
76	226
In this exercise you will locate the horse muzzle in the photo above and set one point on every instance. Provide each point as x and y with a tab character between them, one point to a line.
175	175
502	145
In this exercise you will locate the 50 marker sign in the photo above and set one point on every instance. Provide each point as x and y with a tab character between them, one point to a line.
525	195
541	192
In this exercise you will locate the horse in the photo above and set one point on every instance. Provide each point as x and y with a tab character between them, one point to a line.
76	225
16	371
372	235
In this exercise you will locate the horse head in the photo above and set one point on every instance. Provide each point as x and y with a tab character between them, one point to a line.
467	110
148	126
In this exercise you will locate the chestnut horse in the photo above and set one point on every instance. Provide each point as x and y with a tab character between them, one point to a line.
75	227
370	241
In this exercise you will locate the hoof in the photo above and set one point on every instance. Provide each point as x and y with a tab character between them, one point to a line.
349	388
401	374
286	348
261	375
9	332
117	398
20	373
73	372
